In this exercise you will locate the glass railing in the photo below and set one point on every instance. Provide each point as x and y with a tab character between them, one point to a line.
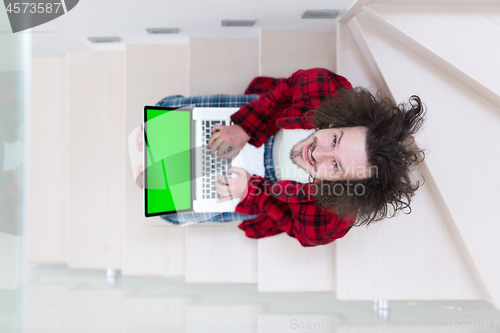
14	117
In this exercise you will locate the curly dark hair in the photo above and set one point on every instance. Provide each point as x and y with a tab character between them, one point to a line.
390	151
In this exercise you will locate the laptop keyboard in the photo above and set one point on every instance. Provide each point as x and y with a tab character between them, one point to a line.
212	164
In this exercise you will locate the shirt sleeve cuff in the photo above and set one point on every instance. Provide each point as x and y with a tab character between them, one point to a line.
257	139
253	203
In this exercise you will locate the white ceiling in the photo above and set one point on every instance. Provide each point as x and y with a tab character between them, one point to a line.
129	19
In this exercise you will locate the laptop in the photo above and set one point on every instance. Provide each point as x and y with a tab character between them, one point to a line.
179	173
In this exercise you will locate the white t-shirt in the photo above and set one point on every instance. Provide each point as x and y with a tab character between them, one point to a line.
284	140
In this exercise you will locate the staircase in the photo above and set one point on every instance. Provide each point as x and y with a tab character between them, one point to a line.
87	212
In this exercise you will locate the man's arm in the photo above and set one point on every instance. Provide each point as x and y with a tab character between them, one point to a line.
254	122
287	205
288	104
258	118
290	100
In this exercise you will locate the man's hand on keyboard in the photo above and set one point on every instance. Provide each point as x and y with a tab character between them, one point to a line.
225	137
229	188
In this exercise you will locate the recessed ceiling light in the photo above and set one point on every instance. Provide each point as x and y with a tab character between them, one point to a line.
321	14
104	39
237	23
162	30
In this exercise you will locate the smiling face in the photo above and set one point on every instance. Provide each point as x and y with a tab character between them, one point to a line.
333	154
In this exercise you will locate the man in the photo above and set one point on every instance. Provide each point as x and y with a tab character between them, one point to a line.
358	155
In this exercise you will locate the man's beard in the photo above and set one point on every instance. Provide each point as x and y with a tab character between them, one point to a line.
299	153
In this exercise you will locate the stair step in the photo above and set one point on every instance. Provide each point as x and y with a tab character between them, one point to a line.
221	65
151	246
283	52
96	96
220	252
285	265
48	194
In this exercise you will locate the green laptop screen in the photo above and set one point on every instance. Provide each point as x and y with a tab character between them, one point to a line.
168	159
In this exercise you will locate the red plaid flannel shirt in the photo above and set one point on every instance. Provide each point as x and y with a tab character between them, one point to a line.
288	206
